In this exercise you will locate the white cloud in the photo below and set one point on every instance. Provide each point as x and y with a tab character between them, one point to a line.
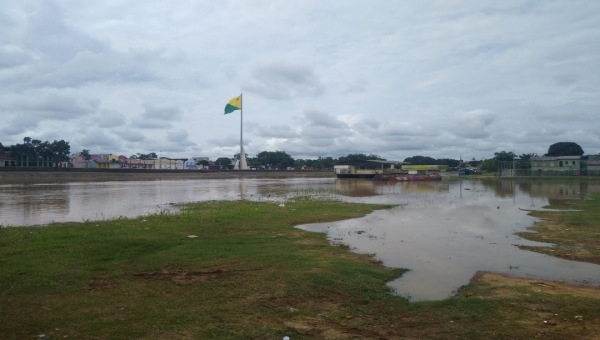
442	78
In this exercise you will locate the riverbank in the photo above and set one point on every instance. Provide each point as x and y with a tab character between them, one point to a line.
240	270
62	175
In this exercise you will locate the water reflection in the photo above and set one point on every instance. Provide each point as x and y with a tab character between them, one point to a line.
36	204
442	231
445	236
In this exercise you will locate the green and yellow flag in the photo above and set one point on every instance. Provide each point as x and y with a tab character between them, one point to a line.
234	104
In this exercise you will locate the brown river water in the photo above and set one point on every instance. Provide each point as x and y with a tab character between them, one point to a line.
444	232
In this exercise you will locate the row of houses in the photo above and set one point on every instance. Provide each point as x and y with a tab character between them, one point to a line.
110	161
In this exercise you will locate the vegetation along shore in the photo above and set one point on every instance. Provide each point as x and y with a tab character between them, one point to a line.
240	270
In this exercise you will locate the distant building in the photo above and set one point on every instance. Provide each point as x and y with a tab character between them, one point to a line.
560	164
591	165
79	162
6	160
99	157
190	164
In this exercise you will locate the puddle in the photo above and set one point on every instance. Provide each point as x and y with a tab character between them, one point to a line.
444	234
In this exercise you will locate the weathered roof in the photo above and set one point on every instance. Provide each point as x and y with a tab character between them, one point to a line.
386	162
365	162
557	158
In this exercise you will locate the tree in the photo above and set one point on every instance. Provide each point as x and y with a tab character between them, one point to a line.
564	149
223	162
59	150
279	159
299	163
504	156
202	162
151	155
527	156
448	161
35	149
489	165
326	163
421	160
85	153
524	161
1	149
236	157
359	157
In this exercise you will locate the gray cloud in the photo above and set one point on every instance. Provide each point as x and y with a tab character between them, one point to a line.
282	80
322	119
163	112
442	79
472	124
133	136
565	79
99	141
56	106
276	131
151	124
227	141
109	119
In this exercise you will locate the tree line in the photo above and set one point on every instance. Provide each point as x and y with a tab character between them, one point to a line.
59	151
35	151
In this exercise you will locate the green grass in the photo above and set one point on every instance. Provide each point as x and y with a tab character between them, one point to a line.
248	275
575	232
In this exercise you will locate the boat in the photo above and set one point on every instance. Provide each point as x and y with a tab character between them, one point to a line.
389	171
366	169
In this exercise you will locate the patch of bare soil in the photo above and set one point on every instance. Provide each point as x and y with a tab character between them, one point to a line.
320	328
184	277
542	314
331	323
550	287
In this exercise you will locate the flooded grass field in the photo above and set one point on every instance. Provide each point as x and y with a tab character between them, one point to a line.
443	232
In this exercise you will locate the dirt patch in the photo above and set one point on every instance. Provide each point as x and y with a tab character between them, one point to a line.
321	328
313	305
184	277
550	287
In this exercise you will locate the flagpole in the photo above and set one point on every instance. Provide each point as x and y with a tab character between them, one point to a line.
241	133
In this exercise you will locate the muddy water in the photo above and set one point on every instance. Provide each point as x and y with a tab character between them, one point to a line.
447	231
443	232
38	204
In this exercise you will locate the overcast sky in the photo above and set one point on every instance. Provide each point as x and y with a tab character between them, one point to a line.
319	78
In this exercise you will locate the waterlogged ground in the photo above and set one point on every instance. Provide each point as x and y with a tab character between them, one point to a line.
38	204
444	232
